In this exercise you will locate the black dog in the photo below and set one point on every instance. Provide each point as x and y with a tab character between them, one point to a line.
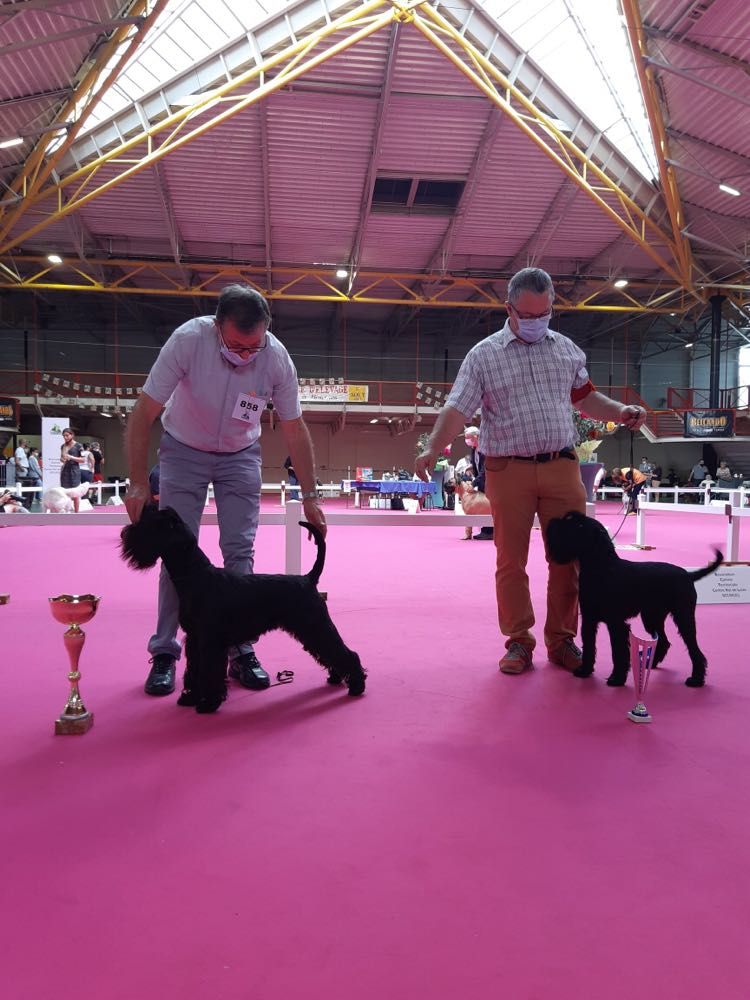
219	609
612	590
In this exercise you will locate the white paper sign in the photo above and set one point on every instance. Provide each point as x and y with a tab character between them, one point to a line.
728	585
52	442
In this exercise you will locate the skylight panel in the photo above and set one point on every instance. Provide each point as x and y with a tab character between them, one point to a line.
582	45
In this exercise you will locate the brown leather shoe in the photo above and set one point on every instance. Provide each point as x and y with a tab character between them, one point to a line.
517	659
567	655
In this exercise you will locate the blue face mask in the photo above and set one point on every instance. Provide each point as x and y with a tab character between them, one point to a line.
533	330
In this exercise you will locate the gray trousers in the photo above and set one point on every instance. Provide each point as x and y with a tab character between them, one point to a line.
184	477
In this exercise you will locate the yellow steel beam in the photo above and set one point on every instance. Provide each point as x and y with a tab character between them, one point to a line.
667	176
443	291
38	166
572	160
142	150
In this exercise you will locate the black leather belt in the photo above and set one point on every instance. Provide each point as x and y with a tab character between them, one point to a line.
546	456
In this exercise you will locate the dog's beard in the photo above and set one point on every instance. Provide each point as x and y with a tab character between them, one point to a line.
137	556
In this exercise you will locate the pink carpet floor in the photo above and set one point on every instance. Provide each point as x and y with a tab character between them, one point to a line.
456	833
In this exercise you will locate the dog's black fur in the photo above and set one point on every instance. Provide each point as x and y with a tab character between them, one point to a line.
613	590
219	609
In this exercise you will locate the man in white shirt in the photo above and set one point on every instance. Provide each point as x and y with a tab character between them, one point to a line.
212	381
22	460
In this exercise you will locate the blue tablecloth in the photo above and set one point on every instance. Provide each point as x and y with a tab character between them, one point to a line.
411	487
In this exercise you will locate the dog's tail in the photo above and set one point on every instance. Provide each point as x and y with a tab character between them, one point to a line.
698	574
314	574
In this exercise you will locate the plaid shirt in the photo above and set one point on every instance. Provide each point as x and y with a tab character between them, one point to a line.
524	392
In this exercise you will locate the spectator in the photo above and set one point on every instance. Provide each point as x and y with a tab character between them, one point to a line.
87	466
10	503
471	439
98	461
70	456
22	460
723	473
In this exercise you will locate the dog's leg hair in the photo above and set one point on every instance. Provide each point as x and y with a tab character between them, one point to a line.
207	673
188	696
618	637
320	638
684	619
589	627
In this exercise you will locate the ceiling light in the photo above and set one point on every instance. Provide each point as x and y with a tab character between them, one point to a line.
54	258
342	273
7	143
727	189
374	420
688	345
621	283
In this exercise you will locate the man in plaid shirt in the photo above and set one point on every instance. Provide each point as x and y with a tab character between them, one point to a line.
523	379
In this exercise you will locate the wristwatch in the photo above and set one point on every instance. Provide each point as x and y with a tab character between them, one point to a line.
312	495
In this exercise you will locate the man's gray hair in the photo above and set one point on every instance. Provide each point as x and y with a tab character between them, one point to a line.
471	432
530	279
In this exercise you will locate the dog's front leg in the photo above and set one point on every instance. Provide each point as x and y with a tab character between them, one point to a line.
589	625
619	633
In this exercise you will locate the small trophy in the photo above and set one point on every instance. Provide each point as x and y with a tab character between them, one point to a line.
74	611
641	658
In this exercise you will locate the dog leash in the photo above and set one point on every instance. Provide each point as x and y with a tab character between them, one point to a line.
626	504
283	677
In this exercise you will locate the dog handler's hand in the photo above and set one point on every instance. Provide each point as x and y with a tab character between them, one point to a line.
136	498
315	515
424	464
632	417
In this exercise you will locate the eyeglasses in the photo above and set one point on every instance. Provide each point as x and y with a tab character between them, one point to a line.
527	315
243	349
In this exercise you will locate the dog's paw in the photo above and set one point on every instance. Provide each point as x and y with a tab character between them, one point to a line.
583	672
187	698
695	682
204	706
616	681
333	678
356	685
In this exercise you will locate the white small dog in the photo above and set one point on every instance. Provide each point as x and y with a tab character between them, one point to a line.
57	500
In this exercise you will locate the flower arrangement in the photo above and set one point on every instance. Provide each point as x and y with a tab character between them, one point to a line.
589	434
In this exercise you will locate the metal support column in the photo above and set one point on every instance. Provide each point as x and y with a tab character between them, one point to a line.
713	391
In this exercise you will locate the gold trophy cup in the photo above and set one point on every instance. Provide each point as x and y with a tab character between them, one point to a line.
74	610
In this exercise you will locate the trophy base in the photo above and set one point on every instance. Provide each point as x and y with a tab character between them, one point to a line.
636	715
74	725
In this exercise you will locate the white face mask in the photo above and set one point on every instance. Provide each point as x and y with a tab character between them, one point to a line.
234	359
533	330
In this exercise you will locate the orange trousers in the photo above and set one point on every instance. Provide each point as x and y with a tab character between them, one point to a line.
517	491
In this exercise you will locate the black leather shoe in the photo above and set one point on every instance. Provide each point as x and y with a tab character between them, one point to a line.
247	670
160	680
485	534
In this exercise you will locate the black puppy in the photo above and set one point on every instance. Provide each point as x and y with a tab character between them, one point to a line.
613	590
219	609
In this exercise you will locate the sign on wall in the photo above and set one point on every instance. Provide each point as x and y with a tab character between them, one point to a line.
9	413
333	393
709	423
